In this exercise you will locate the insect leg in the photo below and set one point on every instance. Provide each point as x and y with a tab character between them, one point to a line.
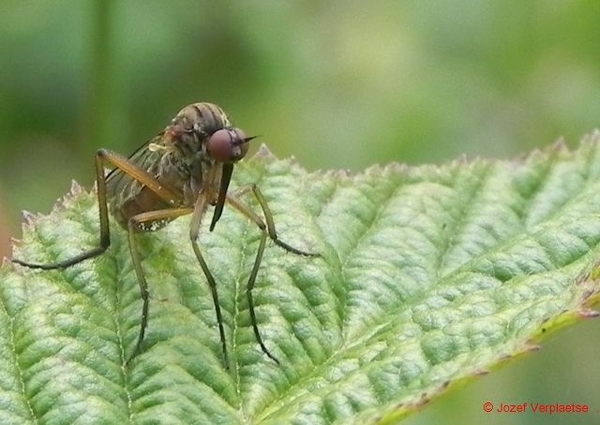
267	229
199	210
169	195
104	227
249	286
104	156
134	225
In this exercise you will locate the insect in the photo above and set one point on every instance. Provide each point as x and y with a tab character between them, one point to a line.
183	170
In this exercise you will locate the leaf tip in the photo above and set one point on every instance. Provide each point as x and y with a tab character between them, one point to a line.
27	217
590	139
264	152
76	188
560	145
588	314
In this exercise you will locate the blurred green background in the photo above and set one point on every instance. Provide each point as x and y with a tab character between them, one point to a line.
338	84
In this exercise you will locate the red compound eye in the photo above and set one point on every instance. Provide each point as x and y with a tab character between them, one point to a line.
228	145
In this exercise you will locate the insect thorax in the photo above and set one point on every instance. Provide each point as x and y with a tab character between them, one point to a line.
178	159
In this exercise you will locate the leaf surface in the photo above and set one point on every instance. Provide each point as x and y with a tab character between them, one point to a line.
427	276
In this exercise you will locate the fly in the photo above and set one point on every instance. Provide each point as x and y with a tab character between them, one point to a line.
185	169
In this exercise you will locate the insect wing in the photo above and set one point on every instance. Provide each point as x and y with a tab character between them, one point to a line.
119	183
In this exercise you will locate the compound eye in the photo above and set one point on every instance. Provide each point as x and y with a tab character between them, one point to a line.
228	145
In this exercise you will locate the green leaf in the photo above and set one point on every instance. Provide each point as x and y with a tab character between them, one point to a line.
427	276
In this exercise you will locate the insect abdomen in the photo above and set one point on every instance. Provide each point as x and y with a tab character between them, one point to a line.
144	201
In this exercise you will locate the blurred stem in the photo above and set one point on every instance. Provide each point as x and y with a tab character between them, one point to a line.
102	77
